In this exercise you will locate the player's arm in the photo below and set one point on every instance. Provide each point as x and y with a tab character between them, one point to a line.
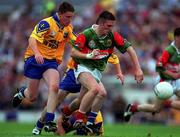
174	75
78	48
113	59
65	60
37	54
124	46
36	37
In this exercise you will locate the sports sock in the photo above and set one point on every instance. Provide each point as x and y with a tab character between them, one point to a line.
39	124
91	118
77	116
167	103
49	117
134	108
21	92
66	110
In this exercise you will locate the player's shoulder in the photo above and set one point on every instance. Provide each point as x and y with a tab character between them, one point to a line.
43	25
171	48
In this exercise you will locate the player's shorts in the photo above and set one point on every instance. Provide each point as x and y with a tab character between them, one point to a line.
69	83
175	84
34	70
95	73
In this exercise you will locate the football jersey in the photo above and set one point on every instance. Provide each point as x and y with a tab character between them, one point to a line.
169	60
51	37
113	59
88	40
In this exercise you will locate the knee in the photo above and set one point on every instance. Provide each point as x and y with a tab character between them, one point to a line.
103	93
54	88
32	98
97	90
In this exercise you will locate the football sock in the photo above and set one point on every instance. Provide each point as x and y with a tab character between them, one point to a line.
91	118
134	108
49	117
21	92
80	115
66	110
39	124
167	103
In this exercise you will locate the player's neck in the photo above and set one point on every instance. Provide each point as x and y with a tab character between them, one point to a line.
99	32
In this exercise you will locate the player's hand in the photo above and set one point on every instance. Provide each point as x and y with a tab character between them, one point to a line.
121	77
93	54
139	76
39	58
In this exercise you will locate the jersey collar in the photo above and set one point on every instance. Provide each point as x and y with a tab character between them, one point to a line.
173	44
57	19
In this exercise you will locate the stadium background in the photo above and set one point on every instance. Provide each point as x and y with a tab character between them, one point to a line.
148	24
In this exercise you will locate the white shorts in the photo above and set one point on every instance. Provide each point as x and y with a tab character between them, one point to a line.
95	73
175	84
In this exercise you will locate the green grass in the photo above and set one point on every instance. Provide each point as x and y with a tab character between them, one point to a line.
117	130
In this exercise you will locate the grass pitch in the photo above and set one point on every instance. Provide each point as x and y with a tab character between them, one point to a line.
116	130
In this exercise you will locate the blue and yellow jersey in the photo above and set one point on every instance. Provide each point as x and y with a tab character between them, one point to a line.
51	37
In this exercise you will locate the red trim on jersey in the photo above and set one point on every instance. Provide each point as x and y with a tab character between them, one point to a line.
165	57
118	39
80	40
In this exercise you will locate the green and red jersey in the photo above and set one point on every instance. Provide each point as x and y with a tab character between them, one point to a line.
88	40
169	60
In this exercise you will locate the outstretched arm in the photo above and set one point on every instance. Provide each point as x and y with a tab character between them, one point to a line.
113	59
137	69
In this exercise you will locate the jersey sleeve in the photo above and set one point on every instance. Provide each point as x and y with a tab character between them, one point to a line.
40	30
80	42
113	59
120	43
164	58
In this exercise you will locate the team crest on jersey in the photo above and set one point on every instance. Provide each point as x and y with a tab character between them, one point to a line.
53	33
42	26
109	43
92	44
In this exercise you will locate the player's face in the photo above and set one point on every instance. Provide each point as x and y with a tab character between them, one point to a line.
66	18
177	42
107	26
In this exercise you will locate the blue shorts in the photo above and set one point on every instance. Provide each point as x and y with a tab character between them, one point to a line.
34	70
69	82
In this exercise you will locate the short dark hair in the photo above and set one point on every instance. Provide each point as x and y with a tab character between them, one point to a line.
177	32
65	7
105	15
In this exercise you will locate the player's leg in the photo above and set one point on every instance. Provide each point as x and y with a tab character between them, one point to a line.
96	106
175	103
33	74
74	105
29	93
93	89
150	108
69	85
40	123
51	77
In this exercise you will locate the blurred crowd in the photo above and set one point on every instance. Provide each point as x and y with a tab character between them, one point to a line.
148	24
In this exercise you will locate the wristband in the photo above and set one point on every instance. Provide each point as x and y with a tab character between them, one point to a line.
89	56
